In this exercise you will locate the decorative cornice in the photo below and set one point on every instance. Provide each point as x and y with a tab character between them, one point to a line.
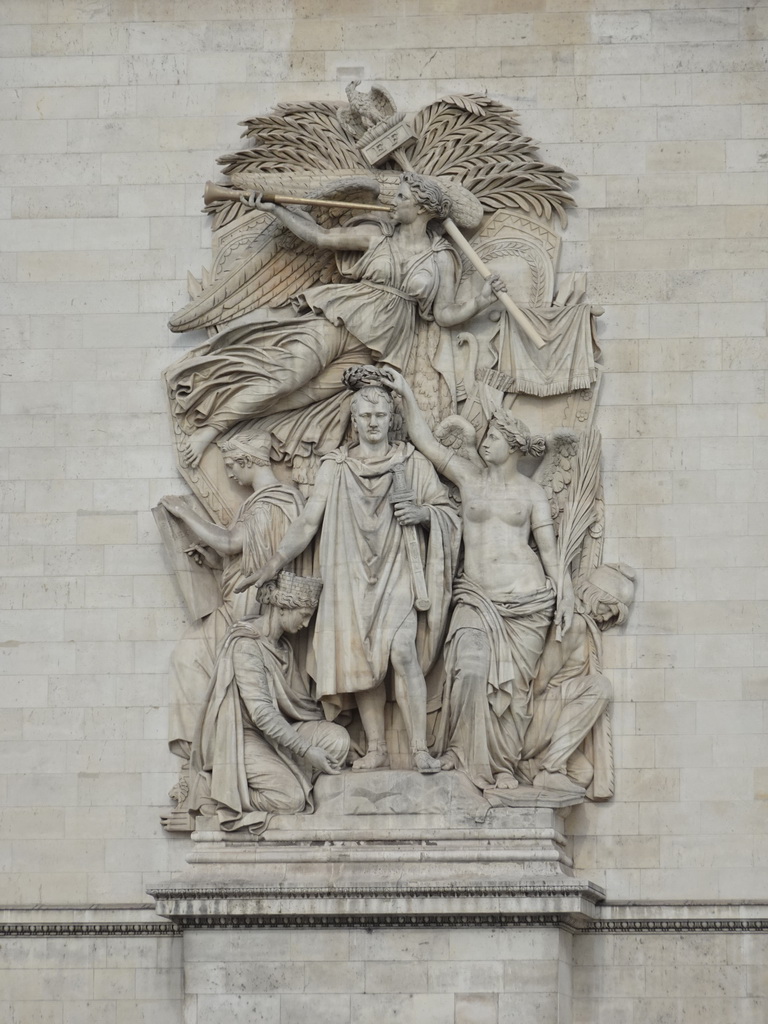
628	926
635	925
87	928
374	921
574	905
568	889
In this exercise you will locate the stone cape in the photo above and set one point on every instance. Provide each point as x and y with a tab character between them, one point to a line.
366	546
404	290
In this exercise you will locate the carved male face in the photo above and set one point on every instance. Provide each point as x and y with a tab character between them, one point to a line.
371	416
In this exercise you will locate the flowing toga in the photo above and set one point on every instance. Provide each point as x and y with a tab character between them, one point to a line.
253	368
367	584
259	722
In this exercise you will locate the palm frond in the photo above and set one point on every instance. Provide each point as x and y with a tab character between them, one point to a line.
581	509
476	141
294	137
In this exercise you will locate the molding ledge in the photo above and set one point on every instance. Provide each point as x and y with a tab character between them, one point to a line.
574	906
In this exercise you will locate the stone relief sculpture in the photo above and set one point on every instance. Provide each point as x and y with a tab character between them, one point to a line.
461	561
395	269
261	737
567	745
233	552
374	578
503	599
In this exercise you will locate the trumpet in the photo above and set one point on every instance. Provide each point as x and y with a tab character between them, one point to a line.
224	193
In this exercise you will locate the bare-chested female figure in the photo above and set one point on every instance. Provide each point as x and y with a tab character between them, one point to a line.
503	601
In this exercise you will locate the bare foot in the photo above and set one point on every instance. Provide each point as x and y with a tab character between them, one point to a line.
377	757
448	761
558	781
505	780
191	450
426	764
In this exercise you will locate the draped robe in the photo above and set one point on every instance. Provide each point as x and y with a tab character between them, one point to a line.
367	581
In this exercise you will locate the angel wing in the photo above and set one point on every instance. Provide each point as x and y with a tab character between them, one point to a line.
555	471
276	266
460	435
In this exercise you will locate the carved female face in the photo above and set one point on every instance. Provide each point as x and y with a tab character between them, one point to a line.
495	449
406	208
237	469
294	619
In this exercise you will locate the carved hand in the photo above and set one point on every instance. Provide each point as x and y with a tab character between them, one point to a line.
197	554
254	202
203	556
492	287
174	505
409	514
565	607
393	380
321	761
267	572
568	602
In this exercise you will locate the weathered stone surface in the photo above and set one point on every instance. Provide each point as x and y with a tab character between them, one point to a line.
158	88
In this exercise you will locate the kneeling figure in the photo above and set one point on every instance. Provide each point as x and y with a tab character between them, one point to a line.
262	739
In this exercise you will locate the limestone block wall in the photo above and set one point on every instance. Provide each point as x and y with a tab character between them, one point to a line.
114	112
336	976
91	979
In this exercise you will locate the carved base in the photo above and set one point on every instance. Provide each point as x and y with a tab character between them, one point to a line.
397	830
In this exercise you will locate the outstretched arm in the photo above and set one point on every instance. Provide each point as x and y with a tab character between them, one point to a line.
297	536
452	466
221	539
356	238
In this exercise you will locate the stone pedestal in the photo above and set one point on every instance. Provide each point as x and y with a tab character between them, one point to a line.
394	829
410	889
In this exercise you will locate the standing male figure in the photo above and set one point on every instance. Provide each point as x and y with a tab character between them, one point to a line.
367	619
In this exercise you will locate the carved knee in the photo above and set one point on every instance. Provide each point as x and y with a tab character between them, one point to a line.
472	654
289	799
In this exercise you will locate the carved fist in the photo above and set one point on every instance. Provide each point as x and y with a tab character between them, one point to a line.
409	514
196	554
255	201
493	286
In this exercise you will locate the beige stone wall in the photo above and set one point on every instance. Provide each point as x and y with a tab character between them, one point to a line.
338	976
93	979
114	113
654	979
